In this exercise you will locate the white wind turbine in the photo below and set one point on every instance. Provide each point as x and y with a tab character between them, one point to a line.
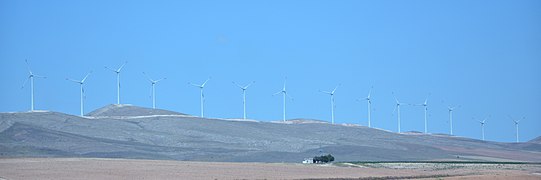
117	71
31	78
244	96
202	95
332	101
81	83
483	128
153	83
369	101
397	108
284	93
516	126
451	109
425	105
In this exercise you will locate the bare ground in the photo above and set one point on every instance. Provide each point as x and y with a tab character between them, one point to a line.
92	168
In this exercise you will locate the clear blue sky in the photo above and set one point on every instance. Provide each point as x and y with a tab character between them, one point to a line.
482	55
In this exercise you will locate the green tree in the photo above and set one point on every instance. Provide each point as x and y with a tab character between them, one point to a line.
324	159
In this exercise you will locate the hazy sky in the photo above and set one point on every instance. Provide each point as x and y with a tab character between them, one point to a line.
484	56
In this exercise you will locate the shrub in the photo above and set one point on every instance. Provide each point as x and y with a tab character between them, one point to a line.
324	159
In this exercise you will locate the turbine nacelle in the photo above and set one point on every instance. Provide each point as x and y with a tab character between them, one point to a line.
331	92
81	82
119	69
153	81
202	85
244	87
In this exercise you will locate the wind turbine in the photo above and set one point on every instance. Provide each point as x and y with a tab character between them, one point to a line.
153	83
31	77
483	128
369	101
244	95
284	93
81	83
425	105
451	109
397	108
332	101
202	96
516	126
117	71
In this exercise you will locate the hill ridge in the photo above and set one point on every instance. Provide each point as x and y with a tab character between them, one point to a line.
181	137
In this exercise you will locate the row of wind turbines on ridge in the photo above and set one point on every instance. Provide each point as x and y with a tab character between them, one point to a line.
244	88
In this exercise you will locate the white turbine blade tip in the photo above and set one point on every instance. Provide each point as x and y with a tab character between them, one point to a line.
202	85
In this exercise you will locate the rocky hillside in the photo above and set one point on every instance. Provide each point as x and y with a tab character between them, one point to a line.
124	131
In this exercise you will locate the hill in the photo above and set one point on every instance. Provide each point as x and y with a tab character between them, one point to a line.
135	132
536	140
119	110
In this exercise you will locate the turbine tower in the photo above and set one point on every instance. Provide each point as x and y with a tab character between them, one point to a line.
284	93
516	127
397	108
483	128
425	105
244	96
451	109
369	101
81	83
332	101
31	78
117	71
153	83
202	96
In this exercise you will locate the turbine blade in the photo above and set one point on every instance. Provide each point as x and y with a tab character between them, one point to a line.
276	93
28	66
203	85
39	76
246	87
82	81
150	94
148	77
120	69
109	68
326	92
160	80
196	85
289	96
237	85
25	81
334	89
75	81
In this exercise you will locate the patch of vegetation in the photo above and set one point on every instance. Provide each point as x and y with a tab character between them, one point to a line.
324	159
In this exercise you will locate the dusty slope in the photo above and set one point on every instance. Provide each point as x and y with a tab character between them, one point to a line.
181	137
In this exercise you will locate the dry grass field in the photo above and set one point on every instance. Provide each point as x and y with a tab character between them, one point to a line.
93	168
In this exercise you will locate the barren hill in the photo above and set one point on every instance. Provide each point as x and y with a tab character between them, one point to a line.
120	131
119	110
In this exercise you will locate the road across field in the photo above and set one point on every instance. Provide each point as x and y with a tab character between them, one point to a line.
91	168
